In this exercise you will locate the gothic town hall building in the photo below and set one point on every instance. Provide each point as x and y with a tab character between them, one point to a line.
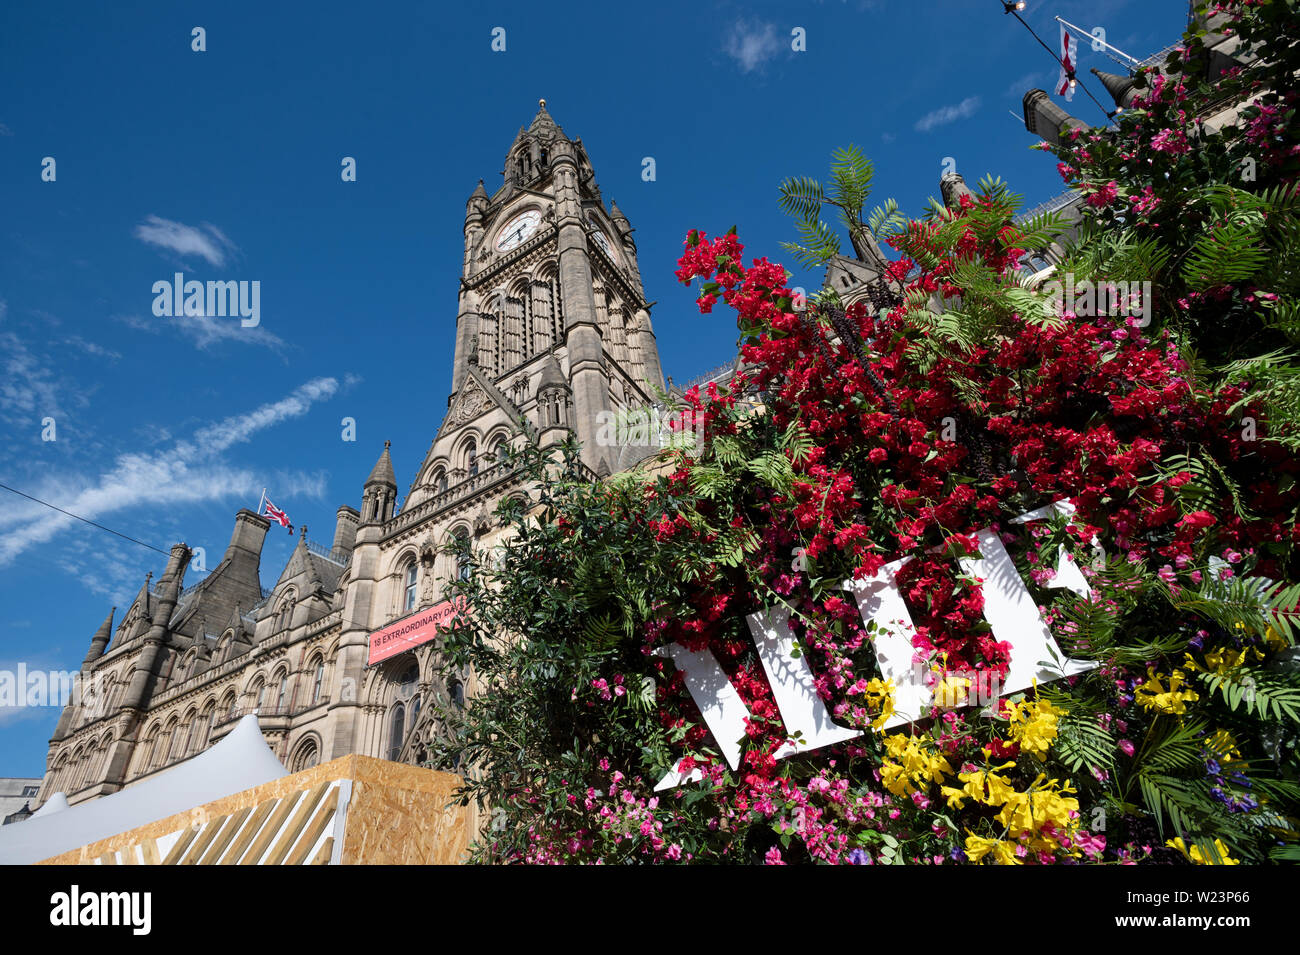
552	330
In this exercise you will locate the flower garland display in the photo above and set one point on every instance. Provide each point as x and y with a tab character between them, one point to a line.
856	439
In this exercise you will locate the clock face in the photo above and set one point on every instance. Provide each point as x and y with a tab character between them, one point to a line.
600	240
518	229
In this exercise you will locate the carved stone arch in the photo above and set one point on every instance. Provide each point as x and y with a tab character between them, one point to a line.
284	604
255	687
435	475
305	753
468	451
229	702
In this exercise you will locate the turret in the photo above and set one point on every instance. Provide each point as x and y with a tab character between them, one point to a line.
100	640
345	529
169	589
380	491
953	186
1047	120
1122	89
554	397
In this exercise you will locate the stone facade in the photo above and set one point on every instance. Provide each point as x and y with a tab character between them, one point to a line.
553	336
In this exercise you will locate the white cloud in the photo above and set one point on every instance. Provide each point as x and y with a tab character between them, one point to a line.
753	44
208	242
206	330
29	388
948	114
190	471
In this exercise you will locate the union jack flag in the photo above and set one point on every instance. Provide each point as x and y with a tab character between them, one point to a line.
279	516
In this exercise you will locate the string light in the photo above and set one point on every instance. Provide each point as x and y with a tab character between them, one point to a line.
1012	7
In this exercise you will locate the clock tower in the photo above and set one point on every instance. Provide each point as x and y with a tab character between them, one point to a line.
551	301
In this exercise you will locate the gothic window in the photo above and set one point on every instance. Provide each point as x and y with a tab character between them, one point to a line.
472	458
174	742
410	678
440	480
192	741
318	682
260	690
543	308
513	335
497	454
285	613
396	731
305	757
282	695
409	590
457	693
209	723
462	555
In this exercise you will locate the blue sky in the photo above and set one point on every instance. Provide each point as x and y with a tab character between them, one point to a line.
225	164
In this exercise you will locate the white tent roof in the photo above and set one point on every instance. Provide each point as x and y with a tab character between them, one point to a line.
240	761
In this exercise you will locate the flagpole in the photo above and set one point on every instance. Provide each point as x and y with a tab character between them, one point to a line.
1095	39
261	501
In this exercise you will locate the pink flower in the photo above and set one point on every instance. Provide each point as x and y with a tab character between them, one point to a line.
1126	747
773	857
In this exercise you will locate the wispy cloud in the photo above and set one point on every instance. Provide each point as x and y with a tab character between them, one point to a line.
753	44
190	471
204	331
29	387
1022	85
948	114
207	241
5	130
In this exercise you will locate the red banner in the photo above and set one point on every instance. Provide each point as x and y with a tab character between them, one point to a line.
414	630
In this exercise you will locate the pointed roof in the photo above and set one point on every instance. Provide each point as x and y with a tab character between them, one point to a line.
543	121
382	473
615	212
1117	86
479	192
105	628
552	377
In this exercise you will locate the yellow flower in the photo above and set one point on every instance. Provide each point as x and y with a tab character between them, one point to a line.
1004	853
1195	855
1033	726
880	693
911	765
1152	694
952	692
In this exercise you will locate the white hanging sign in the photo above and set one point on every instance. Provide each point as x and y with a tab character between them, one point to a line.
1009	609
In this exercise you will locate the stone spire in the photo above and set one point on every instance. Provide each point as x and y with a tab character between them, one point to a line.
619	220
100	640
552	377
380	491
1122	89
543	123
382	472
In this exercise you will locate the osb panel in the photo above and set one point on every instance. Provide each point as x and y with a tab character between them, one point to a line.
426	790
391	825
